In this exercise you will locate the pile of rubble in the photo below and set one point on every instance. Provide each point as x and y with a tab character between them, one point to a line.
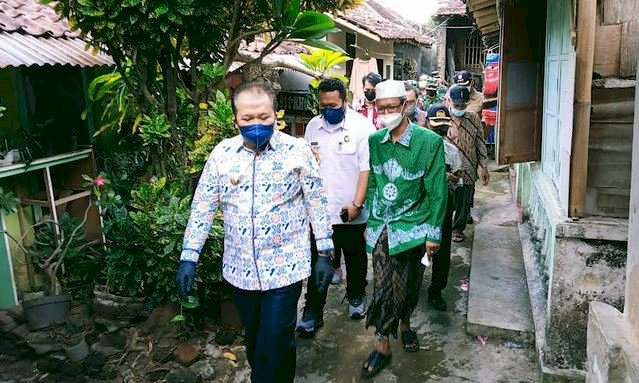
154	350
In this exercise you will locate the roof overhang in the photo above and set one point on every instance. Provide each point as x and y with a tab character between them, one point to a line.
486	16
17	49
355	28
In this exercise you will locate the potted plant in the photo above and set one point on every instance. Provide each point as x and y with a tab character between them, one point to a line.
118	299
49	251
76	347
54	243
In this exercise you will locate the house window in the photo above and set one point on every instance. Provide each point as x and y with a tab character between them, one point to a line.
398	72
473	53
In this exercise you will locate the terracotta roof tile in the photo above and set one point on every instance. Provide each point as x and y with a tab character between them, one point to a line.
286	48
450	8
33	34
32	18
384	23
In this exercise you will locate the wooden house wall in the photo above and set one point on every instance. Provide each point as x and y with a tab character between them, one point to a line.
617	38
610	144
610	152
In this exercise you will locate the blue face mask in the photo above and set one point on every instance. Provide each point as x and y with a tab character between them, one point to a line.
457	112
333	115
257	134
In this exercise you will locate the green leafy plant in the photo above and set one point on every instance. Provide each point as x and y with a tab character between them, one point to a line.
8	201
191	303
215	125
117	104
160	215
55	244
124	263
323	62
82	258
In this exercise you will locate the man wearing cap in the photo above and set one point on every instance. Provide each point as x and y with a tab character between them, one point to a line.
406	198
428	92
476	100
467	134
339	137
438	118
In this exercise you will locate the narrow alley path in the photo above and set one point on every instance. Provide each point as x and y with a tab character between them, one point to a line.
448	354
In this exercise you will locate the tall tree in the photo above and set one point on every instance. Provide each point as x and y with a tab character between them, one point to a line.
164	49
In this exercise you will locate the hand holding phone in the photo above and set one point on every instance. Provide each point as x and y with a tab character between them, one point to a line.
344	215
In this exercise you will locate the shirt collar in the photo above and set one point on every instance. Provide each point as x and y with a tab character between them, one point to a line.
404	139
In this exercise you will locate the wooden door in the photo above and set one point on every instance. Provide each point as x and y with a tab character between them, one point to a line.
559	86
521	84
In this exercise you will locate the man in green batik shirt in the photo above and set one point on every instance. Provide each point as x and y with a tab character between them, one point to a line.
406	199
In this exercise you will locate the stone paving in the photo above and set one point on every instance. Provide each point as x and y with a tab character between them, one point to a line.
448	354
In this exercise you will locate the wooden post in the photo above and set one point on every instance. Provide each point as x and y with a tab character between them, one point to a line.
632	265
586	23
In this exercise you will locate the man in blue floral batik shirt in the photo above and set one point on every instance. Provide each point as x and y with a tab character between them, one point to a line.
269	189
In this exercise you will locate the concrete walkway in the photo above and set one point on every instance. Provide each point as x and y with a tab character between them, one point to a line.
448	354
498	303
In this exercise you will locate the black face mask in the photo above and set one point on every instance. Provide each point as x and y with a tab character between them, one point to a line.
370	95
430	93
441	130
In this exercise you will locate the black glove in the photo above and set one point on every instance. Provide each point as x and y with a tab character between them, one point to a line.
323	273
185	278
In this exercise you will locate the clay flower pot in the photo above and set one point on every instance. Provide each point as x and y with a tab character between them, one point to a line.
114	311
46	311
77	350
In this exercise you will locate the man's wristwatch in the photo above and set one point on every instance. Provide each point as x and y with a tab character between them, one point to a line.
359	207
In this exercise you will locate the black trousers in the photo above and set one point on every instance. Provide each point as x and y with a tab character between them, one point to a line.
463	201
269	319
441	259
350	240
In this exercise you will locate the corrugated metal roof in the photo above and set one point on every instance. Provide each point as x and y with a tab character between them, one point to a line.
17	49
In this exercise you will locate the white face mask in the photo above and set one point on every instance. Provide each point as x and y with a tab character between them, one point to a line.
422	84
391	121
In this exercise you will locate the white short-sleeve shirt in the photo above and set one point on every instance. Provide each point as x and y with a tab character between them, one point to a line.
343	154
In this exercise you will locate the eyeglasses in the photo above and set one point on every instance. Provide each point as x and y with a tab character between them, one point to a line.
389	109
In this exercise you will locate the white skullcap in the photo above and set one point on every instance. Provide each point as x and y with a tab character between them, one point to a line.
390	89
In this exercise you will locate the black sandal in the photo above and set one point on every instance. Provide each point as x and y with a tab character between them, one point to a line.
378	361
410	341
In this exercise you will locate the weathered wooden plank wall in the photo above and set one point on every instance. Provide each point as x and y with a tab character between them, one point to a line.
623	13
610	152
610	143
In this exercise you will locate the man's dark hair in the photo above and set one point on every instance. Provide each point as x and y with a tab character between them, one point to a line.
332	85
373	78
410	87
262	87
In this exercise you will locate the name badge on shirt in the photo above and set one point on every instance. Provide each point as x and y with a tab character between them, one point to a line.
347	144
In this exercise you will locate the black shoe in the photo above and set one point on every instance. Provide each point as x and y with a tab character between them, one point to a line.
309	324
436	301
